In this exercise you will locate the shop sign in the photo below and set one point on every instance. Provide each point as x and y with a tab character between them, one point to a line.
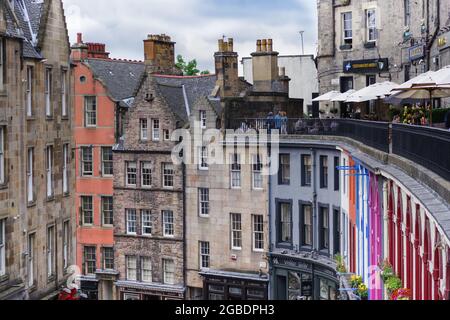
366	66
443	41
416	53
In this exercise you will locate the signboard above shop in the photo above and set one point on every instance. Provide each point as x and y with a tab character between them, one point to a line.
443	41
416	52
366	66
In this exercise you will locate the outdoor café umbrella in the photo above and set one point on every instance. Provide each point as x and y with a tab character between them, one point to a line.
343	96
373	92
327	96
427	86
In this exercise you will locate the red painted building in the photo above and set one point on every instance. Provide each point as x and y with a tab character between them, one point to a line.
104	89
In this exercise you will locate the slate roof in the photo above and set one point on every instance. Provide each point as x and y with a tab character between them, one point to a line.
24	23
171	88
121	77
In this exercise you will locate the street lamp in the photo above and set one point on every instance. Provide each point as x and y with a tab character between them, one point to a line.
303	47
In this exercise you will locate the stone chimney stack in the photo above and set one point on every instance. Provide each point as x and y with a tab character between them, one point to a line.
226	62
80	50
97	50
159	53
265	66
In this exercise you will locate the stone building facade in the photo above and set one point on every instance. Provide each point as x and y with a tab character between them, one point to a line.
363	42
148	186
104	88
37	182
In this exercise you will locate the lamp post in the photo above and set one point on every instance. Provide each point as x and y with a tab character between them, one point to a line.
303	47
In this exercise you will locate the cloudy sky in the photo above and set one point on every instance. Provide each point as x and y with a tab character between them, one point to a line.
194	24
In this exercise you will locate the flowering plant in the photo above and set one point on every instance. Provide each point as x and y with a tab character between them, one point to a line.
401	294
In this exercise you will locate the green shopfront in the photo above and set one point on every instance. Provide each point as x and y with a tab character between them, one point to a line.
294	278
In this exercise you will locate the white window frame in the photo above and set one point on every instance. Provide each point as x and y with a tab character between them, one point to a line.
371	26
166	133
203	119
110	210
90	111
104	161
31	260
168	224
105	249
2	247
86	151
236	231
65	168
146	270
168	175
64	112
168	268
147	223
29	95
235	171
258	232
30	176
50	251
48	92
146	174
2	156
203	158
205	255
85	262
131	170
345	30
131	223
131	265
85	209
203	202
257	176
66	237
49	171
143	127
156	130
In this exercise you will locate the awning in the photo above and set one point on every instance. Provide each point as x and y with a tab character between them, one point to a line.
327	96
373	92
343	96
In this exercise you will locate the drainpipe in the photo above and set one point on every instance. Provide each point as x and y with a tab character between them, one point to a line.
271	294
314	202
184	231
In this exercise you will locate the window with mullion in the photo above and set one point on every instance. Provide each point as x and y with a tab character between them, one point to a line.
48	92
107	211
146	174
204	255
235	171
324	227
236	231
2	155
90	260
147	224
258	233
306	221
337	174
107	161
29	91
285	222
323	172
131	219
146	270
131	266
131	177
90	111
168	271
168	223
168	175
306	170
108	258
87	210
257	176
2	247
203	194
284	177
87	168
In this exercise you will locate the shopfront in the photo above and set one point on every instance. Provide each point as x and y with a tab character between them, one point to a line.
294	278
234	286
148	292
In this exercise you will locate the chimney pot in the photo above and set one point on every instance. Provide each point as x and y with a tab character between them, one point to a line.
230	45
264	45
258	45
269	45
282	71
79	37
221	45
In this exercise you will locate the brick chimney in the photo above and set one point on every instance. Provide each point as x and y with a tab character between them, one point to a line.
97	50
265	66
226	62
79	49
159	53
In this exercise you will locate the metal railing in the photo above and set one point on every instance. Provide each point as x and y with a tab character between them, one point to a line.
373	134
429	147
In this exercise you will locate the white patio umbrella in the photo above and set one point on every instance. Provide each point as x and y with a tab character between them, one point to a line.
429	85
373	92
326	97
343	96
